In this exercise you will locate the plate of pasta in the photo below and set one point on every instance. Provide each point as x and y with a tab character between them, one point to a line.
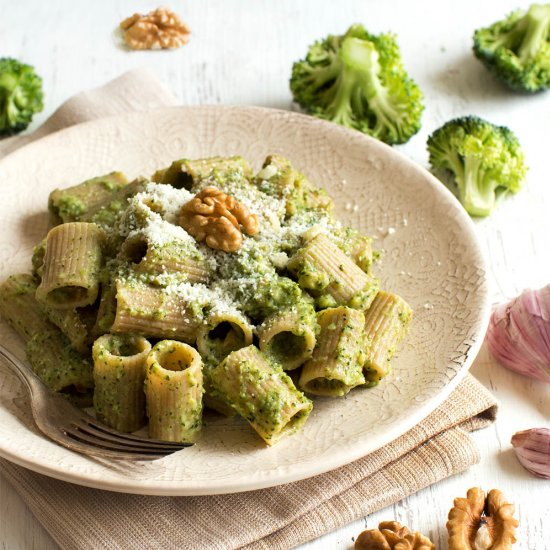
281	293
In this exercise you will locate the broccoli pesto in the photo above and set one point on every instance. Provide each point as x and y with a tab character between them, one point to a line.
130	264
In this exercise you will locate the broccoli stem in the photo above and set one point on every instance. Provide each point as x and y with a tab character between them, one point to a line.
537	21
526	37
386	114
476	188
360	59
320	76
340	105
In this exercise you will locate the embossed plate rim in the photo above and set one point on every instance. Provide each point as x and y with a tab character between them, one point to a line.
277	476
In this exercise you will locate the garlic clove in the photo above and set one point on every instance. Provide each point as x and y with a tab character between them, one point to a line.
533	450
518	335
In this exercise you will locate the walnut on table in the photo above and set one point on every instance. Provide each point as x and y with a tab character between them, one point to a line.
159	29
216	218
480	522
391	535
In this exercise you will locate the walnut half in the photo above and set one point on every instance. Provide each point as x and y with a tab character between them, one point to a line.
391	535
216	218
159	29
480	522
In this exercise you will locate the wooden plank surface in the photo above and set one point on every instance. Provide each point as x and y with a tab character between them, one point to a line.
241	52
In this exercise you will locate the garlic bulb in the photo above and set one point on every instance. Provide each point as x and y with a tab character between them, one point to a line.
533	450
519	334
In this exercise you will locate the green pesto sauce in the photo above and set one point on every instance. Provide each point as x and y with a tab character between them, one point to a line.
326	386
57	363
260	395
70	207
287	345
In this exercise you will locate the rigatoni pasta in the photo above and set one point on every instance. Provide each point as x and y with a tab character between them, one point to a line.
278	177
150	311
72	203
261	392
48	350
288	336
256	279
71	267
323	269
171	255
72	324
224	330
119	376
173	389
60	366
189	173
386	323
19	307
338	358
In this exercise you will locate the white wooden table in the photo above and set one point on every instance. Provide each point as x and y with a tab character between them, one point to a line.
241	52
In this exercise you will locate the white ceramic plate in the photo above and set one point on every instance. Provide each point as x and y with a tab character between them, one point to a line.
430	257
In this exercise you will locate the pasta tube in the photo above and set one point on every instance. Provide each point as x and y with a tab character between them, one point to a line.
105	213
72	325
175	256
19	307
386	323
337	363
224	331
71	265
356	246
173	390
72	203
209	399
48	351
150	311
187	173
119	375
288	336
37	260
106	311
261	392
322	268
60	366
279	178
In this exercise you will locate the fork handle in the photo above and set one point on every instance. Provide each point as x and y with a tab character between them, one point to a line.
31	381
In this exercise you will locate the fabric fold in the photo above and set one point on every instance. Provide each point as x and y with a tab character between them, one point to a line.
280	517
136	90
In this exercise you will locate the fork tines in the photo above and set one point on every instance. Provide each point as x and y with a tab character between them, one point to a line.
105	442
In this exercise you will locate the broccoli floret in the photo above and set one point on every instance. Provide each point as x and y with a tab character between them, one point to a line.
517	49
486	161
358	80
20	95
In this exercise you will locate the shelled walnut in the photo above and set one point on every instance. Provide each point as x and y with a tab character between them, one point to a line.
480	522
391	535
216	218
159	29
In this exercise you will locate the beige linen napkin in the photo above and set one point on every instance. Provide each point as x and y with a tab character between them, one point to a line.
280	517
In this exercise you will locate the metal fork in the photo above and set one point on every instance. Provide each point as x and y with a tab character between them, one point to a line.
67	425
